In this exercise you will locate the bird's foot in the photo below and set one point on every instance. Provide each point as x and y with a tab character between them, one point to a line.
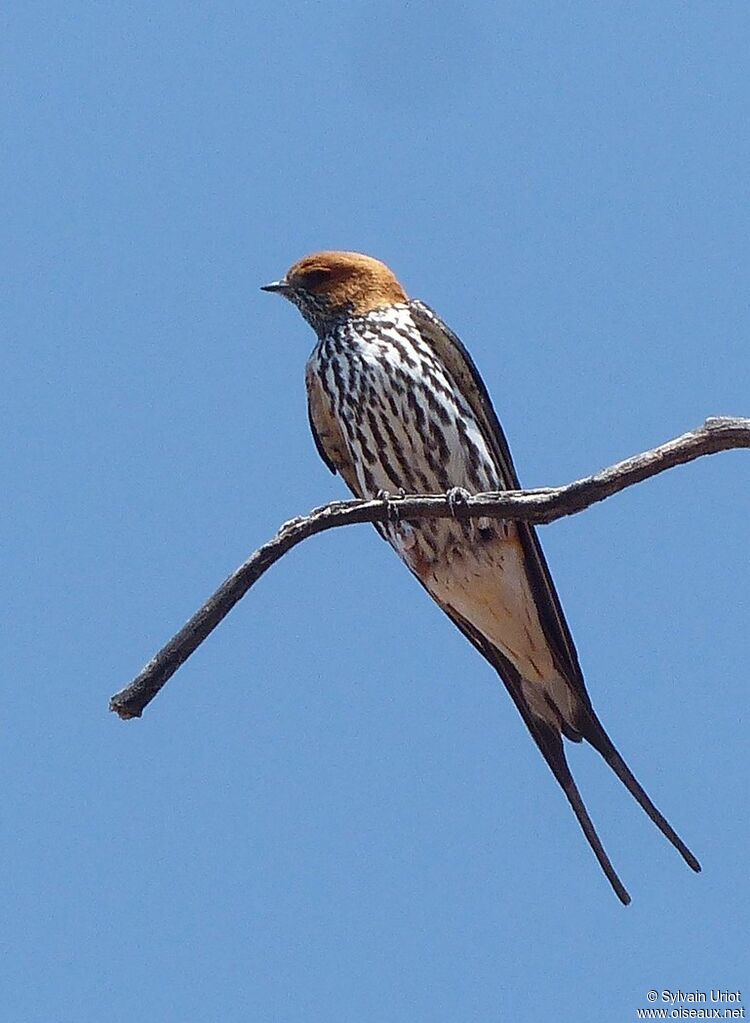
458	500
483	528
393	512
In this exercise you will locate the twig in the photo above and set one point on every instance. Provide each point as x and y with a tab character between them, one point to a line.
537	506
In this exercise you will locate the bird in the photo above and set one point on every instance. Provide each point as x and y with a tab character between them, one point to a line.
396	405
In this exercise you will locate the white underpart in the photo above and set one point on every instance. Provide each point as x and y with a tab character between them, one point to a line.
373	347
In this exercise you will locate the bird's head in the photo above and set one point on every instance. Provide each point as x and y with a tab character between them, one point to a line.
329	286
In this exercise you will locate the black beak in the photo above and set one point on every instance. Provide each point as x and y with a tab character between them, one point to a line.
279	286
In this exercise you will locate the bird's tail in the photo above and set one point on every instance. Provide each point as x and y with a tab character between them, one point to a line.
593	732
550	743
549	738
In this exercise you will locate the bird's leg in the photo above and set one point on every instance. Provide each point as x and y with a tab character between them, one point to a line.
458	499
491	528
390	500
402	534
477	529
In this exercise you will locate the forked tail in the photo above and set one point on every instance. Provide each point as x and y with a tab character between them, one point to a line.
594	733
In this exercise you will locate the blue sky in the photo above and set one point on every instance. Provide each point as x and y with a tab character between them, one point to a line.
333	811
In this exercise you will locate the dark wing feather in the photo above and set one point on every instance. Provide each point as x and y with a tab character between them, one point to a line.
318	442
334	451
329	440
460	365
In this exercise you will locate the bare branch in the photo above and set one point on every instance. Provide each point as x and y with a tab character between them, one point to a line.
536	506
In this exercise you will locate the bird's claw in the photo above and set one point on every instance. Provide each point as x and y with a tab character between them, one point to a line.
458	499
393	512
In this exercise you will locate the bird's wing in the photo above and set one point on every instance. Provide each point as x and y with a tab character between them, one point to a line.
329	440
460	365
454	356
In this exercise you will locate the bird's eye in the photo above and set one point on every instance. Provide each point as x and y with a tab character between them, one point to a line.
314	279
